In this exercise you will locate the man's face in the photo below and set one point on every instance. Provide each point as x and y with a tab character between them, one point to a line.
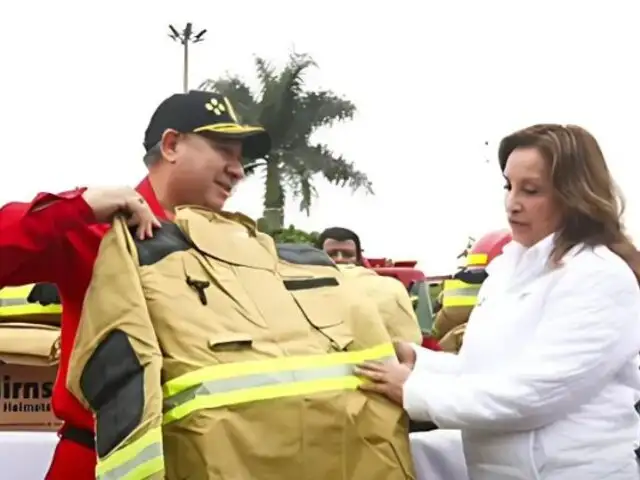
206	170
344	251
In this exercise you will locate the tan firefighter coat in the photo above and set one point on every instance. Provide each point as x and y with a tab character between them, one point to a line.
207	354
458	298
29	325
391	298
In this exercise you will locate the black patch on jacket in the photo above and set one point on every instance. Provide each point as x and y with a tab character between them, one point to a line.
309	283
113	383
301	254
166	240
44	294
472	277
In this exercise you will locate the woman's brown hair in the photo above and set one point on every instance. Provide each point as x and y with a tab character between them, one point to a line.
592	204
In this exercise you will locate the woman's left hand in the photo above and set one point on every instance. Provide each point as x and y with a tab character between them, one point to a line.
387	379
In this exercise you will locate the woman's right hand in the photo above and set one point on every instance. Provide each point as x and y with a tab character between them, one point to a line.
405	353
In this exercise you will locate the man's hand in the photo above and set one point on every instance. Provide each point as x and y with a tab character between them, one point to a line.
108	202
405	353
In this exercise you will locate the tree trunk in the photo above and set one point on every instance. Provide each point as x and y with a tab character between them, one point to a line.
273	198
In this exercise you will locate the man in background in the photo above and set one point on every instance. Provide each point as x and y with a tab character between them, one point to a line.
388	294
341	244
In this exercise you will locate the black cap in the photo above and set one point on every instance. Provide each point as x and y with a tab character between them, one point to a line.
200	112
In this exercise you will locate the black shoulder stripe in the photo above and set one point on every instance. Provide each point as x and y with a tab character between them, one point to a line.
309	283
44	294
166	240
301	254
473	277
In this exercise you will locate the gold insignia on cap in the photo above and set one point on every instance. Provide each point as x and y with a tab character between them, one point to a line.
213	105
232	112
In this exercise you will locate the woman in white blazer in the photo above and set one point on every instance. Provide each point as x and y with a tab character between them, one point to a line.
545	384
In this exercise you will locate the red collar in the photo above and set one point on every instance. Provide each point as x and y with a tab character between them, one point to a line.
146	190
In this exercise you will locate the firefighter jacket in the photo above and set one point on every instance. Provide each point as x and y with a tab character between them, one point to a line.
459	296
452	341
54	238
29	344
35	303
206	356
29	325
391	299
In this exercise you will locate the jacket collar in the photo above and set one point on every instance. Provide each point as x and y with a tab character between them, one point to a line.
538	253
356	270
146	190
230	237
520	264
236	219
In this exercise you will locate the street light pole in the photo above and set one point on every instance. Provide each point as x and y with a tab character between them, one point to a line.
185	38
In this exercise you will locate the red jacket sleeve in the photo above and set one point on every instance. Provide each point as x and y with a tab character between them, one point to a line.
32	236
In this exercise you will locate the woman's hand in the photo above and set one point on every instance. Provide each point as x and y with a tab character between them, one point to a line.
387	379
405	353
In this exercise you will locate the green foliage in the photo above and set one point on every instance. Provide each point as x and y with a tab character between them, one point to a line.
288	235
293	235
291	115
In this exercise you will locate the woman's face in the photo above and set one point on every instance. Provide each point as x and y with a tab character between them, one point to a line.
530	202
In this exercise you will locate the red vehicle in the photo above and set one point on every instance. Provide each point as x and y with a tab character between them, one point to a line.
417	284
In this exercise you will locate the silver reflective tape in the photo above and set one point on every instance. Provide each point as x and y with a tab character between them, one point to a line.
461	292
148	453
12	302
259	380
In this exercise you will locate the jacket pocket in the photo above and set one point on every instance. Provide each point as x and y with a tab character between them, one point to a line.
324	306
219	291
230	342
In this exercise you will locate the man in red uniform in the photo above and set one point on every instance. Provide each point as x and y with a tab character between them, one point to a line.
195	148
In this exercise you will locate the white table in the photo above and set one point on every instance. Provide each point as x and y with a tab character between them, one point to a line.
26	455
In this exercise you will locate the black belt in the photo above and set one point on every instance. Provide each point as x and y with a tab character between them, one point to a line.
80	436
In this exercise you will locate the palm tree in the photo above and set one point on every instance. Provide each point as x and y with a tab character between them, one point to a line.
292	114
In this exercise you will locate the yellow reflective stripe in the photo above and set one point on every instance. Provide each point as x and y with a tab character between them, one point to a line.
9	308
137	461
266	380
22	291
229	370
462	301
13	303
450	285
476	259
231	386
457	293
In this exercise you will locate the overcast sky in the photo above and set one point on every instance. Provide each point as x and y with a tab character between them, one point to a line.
432	80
